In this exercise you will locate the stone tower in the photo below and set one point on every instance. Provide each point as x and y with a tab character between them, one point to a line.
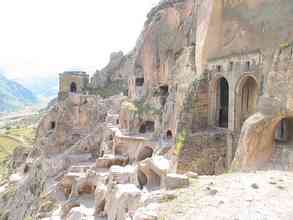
72	82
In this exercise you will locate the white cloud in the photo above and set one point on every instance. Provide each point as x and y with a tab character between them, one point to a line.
48	36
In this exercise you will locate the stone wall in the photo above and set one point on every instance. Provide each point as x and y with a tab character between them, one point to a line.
204	153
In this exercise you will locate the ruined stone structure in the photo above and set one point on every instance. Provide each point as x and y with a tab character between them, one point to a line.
236	66
207	89
72	82
195	76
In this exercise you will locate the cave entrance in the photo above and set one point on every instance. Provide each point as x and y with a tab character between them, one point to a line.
223	103
139	82
73	87
282	151
248	99
147	127
284	132
52	125
169	134
265	143
164	92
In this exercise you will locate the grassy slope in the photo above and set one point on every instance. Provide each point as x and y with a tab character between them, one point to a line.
15	137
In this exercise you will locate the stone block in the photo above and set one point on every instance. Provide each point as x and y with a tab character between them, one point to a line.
175	181
109	160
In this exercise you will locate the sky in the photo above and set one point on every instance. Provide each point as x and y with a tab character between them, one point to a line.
41	38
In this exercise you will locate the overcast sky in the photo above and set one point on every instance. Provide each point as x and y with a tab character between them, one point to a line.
48	36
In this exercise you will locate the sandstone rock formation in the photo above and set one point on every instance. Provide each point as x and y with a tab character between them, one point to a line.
208	82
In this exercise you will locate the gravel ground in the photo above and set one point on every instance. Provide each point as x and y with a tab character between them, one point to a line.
264	195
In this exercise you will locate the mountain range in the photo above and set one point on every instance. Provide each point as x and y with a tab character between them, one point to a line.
45	87
14	96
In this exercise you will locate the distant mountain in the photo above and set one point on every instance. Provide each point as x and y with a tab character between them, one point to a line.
44	87
14	96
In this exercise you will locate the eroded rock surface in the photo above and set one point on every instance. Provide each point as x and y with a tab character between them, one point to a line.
208	82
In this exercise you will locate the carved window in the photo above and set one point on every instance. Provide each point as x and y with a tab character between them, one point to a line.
248	66
73	87
231	64
169	134
139	81
52	125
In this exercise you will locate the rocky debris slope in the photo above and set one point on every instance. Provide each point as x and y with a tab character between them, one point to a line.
112	187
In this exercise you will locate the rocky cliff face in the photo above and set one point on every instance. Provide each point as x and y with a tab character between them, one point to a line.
113	78
110	158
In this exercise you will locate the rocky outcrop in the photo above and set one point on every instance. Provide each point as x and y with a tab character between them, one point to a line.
113	78
75	121
200	72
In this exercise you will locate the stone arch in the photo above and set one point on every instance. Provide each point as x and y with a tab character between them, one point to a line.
282	134
73	87
257	142
283	145
144	153
220	101
246	94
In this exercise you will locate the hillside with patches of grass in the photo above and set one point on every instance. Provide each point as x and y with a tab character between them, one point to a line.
12	139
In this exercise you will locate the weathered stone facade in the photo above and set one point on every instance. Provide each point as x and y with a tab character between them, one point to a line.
72	82
265	140
236	60
198	66
208	87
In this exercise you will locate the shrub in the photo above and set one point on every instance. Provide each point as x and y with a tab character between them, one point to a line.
180	141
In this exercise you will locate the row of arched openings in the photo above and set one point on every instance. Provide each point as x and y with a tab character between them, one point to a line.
246	98
245	105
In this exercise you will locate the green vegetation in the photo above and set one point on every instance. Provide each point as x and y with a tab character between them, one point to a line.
286	45
7	146
113	88
140	107
4	215
9	141
27	134
180	141
130	106
9	193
